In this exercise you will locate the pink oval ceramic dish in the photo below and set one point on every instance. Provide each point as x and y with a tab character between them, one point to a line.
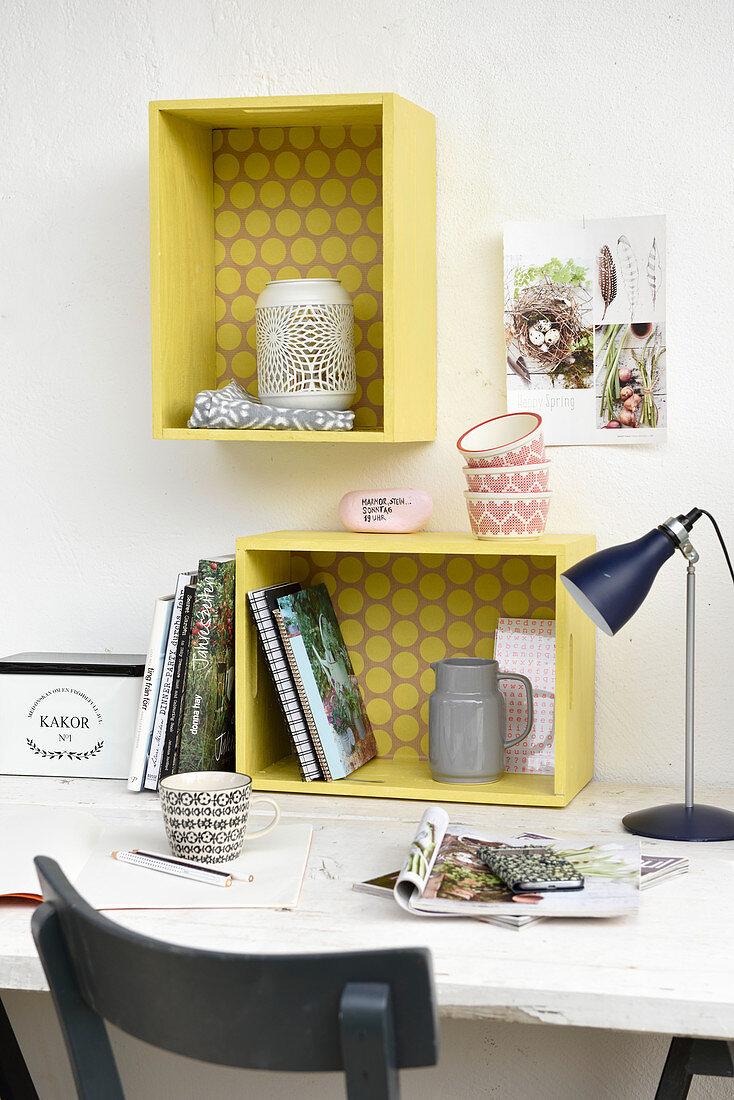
386	511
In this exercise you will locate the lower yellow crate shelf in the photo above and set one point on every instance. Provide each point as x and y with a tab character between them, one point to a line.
382	778
404	601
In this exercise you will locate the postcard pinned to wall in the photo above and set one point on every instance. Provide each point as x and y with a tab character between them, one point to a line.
585	328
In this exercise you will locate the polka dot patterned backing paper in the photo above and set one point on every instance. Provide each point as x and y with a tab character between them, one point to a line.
297	202
400	613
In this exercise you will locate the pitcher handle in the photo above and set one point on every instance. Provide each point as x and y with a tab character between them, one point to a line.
529	692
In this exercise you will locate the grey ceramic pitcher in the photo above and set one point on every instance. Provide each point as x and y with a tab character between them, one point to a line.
467	724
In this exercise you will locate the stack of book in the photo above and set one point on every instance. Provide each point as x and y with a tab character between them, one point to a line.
186	712
313	676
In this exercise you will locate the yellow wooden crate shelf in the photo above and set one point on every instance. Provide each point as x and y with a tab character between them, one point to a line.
246	190
403	601
412	779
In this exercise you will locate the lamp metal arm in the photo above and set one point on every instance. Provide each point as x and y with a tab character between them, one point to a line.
678	528
690	674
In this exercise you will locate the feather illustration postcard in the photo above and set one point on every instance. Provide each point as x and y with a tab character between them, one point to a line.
324	677
585	328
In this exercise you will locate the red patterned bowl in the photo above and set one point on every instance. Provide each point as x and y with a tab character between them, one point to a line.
508	479
515	439
507	515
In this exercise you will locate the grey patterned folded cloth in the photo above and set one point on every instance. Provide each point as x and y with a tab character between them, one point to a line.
234	407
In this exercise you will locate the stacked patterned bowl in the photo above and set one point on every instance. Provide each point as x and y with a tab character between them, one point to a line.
507	477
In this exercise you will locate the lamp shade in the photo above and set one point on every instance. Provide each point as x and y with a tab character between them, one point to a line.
612	584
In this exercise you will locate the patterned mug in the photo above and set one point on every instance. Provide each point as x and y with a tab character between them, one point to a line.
205	814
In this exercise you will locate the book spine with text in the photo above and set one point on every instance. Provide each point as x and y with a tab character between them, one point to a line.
149	692
155	754
172	741
307	712
277	662
207	729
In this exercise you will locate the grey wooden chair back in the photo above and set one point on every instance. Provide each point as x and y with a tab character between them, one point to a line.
368	1013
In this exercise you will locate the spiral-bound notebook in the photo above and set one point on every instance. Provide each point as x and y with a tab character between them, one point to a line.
328	689
263	602
302	696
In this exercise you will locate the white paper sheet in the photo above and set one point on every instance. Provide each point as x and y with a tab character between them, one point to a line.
82	847
277	863
68	836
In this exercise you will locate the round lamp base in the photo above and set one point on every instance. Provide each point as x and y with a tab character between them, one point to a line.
678	822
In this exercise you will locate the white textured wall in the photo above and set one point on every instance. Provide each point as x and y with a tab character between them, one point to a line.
544	110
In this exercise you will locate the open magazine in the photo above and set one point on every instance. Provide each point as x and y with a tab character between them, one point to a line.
443	875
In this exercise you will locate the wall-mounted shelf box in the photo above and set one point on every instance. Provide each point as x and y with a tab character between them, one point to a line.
246	190
403	601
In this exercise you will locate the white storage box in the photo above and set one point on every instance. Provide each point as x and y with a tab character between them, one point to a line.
69	713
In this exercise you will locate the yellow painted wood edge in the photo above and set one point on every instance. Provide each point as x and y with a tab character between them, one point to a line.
410	330
388	266
430	361
242	661
575	673
269	435
269	103
185	355
382	778
261	735
155	270
356	789
421	542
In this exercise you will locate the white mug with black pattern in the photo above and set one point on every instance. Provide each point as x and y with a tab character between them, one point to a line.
205	814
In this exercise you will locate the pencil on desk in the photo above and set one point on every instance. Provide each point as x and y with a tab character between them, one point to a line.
195	866
169	865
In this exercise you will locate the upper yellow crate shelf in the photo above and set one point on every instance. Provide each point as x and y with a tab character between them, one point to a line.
247	190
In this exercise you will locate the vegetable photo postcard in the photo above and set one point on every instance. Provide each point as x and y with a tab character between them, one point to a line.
585	328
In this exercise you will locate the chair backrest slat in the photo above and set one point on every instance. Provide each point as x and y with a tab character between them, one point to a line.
276	1012
87	1042
368	1041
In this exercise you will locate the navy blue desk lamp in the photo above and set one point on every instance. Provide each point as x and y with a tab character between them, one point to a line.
610	586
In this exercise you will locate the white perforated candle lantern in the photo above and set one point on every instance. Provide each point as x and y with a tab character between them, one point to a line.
305	345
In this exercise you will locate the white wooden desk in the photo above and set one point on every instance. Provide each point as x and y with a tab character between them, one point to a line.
669	970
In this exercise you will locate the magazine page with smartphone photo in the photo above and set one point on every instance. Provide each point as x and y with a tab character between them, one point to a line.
445	874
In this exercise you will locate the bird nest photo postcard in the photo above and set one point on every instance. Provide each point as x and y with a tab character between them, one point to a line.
585	328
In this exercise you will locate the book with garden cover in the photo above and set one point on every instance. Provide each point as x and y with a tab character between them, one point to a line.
444	876
327	687
263	607
207	727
